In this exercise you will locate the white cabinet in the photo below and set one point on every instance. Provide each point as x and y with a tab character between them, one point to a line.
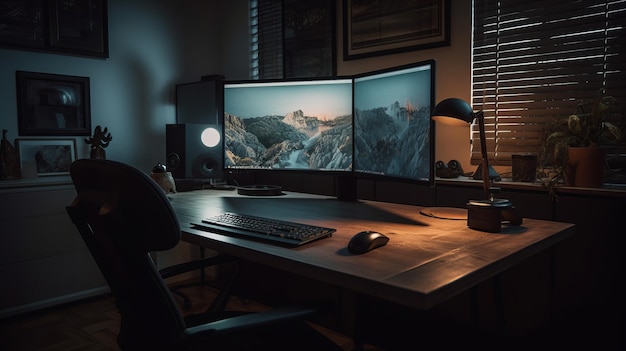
43	260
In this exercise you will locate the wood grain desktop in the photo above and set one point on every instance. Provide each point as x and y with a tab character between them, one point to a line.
426	261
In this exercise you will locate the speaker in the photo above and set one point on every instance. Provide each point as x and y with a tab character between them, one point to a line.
201	102
187	156
451	170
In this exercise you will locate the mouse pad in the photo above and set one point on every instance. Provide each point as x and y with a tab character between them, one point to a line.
445	212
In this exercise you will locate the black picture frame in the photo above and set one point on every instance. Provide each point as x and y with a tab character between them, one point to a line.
77	27
374	28
52	104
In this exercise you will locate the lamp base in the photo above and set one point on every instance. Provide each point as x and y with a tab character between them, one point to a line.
493	175
488	215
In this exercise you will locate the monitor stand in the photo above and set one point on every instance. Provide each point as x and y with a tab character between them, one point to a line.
260	190
346	188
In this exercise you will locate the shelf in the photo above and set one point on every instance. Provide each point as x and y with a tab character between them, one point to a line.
35	182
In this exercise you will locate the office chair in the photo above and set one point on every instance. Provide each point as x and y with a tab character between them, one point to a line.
123	216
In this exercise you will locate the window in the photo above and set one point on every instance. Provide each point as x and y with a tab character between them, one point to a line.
535	60
292	38
266	32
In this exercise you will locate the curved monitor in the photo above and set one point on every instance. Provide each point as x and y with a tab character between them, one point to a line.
374	125
393	130
303	125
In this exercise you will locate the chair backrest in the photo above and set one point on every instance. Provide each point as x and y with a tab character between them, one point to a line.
123	215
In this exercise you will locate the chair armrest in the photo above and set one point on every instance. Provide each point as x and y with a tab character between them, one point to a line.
185	267
204	332
219	303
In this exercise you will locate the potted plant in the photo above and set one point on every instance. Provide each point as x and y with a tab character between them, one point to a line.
573	145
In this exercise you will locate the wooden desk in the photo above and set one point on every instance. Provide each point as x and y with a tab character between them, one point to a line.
426	261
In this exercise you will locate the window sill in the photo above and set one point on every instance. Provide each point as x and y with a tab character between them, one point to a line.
608	190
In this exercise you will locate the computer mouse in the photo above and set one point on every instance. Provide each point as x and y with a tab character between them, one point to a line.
366	241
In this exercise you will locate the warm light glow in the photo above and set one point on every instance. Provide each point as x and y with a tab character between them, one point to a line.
210	137
451	121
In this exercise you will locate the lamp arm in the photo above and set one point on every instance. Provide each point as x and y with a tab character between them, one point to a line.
480	116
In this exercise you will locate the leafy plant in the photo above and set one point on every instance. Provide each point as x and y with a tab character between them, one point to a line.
589	126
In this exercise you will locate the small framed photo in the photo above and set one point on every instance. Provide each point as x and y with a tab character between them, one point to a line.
49	157
52	104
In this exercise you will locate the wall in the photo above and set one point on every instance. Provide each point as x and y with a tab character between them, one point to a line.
153	45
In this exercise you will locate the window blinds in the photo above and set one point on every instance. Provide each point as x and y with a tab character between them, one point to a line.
292	38
266	27
533	61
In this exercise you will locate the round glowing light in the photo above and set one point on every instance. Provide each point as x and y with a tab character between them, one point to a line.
210	137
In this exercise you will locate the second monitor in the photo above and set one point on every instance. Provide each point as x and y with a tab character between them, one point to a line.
393	131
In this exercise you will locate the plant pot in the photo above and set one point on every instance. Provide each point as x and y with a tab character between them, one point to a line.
585	167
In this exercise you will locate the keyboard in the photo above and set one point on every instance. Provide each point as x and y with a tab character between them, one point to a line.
265	229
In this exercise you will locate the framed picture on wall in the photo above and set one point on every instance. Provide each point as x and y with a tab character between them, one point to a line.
79	27
48	156
68	27
22	24
373	28
52	104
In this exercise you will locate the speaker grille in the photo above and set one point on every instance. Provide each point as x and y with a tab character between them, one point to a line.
172	161
206	166
187	157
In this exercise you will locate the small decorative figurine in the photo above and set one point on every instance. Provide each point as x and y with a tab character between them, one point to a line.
9	165
98	142
163	178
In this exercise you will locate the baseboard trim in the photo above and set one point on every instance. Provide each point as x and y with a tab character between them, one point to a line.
34	306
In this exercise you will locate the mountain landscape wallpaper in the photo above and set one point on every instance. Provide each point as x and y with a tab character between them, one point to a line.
292	126
392	125
393	141
374	124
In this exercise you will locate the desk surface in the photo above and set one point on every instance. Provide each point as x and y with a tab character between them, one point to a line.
426	261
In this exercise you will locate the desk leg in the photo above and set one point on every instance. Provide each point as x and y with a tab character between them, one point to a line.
496	282
358	327
499	301
352	316
202	254
552	292
474	308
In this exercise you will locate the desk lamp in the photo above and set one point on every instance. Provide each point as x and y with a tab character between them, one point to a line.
489	213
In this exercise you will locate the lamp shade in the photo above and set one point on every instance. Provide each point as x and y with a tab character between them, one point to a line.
453	111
